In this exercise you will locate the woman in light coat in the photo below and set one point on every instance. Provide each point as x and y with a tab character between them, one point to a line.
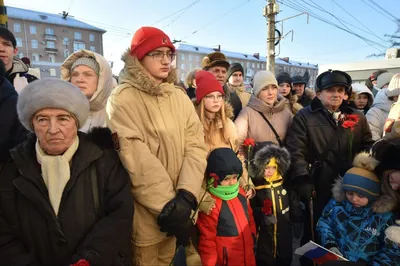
91	73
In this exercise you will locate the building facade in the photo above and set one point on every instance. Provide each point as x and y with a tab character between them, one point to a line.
48	39
190	56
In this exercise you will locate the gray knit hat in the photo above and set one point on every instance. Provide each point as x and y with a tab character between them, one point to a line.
51	93
87	61
262	79
384	79
394	86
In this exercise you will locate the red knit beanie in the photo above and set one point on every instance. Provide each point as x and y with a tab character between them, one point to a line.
205	84
147	39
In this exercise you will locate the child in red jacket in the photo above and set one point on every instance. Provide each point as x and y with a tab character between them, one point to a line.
228	233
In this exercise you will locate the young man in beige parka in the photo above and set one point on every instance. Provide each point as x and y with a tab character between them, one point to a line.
161	143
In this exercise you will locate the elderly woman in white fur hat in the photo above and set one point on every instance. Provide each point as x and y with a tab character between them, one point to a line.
65	196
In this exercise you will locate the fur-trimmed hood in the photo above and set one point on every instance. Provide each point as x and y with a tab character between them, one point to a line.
262	154
137	76
18	66
293	104
104	86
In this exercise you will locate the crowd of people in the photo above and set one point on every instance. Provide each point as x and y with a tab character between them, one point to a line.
149	172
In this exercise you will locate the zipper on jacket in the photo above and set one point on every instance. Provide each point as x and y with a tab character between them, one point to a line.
274	205
224	257
280	201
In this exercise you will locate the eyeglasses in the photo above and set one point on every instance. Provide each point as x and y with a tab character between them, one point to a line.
160	55
213	97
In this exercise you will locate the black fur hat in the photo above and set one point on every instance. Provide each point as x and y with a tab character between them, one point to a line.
387	151
223	162
263	152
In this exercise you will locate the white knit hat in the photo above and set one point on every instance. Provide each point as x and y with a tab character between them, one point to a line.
261	80
52	93
394	86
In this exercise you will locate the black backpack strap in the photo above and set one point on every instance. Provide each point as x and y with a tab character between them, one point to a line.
273	129
95	190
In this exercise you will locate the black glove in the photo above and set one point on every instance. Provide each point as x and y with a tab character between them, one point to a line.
175	216
305	187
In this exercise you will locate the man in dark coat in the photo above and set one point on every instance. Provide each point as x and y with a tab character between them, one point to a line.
323	140
217	64
11	130
65	197
305	96
16	70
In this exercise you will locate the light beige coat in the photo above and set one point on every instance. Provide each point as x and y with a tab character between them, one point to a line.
161	142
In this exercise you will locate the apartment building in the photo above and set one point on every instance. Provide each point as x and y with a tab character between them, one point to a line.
47	39
190	56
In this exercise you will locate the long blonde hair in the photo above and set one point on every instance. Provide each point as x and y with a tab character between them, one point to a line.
217	125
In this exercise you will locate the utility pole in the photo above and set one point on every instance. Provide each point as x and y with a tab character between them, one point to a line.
270	11
3	15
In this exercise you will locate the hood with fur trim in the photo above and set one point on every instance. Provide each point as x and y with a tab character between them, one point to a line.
364	160
137	76
292	104
263	152
105	84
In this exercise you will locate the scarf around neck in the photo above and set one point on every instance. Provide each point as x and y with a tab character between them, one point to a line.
225	192
56	171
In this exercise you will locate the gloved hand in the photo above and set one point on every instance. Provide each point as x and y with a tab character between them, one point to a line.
305	187
336	251
175	216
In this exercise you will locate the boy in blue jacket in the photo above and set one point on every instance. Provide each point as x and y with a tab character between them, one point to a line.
350	226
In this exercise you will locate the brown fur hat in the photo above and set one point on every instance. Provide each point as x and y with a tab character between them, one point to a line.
214	59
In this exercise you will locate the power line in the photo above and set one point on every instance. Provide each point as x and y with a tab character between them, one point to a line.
316	6
300	8
373	33
384	10
183	12
373	8
218	18
177	12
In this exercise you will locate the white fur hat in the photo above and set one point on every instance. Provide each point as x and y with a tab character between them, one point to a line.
51	93
262	79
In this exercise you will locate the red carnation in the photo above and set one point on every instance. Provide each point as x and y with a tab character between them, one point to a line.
267	207
215	178
81	263
249	142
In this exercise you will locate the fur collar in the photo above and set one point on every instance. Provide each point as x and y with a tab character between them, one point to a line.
135	75
293	105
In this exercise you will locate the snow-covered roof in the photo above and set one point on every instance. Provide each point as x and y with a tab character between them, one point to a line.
241	56
37	16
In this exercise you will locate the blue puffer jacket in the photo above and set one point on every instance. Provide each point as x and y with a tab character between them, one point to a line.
359	233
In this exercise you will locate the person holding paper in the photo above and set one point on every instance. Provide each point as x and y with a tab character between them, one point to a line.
353	223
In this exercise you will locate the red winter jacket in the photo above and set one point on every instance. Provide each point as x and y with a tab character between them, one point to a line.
227	235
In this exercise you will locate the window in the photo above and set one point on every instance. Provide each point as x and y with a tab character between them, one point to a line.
182	66
49	31
51	44
35	58
190	57
65	41
66	53
93	48
20	55
78	35
197	58
34	44
91	37
17	27
52	72
182	56
32	29
19	42
258	65
52	58
78	46
253	65
248	64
